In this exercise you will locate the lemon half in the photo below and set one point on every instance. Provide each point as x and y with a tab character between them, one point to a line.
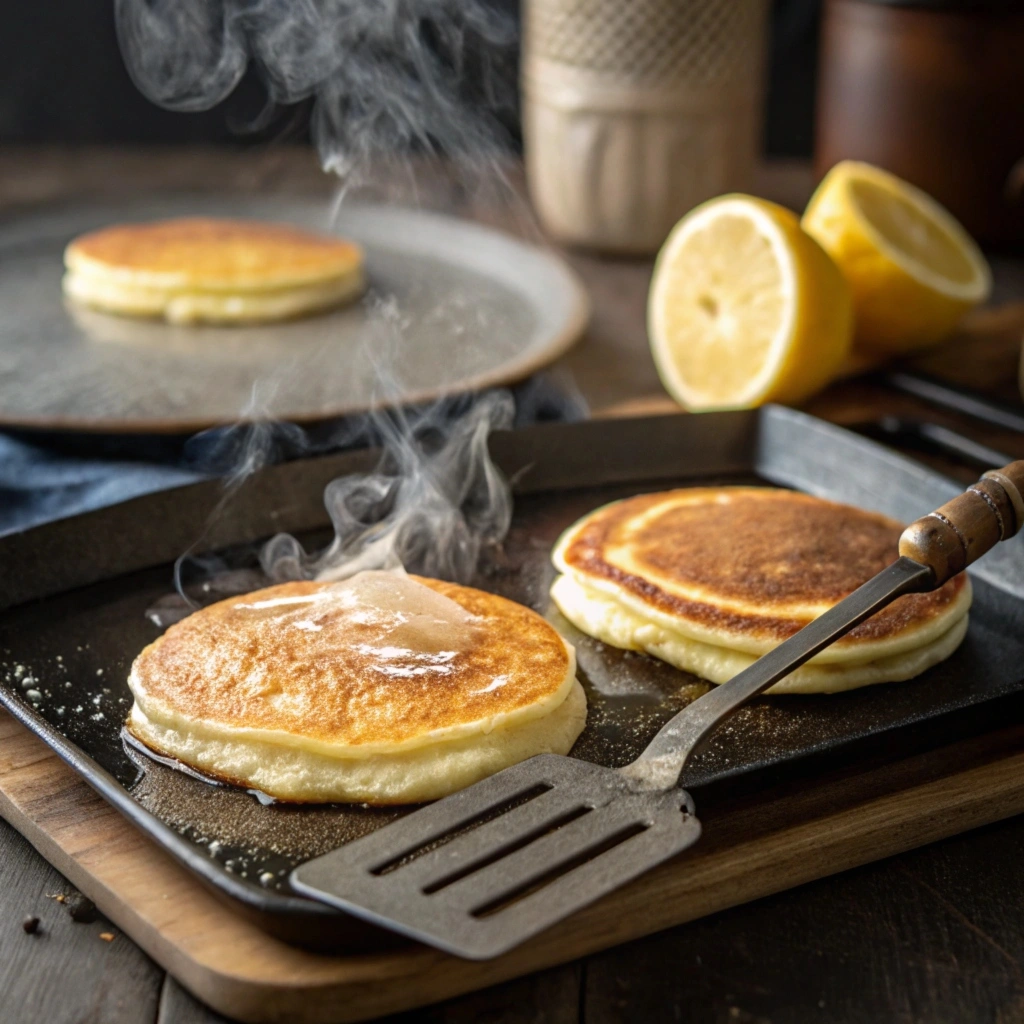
913	270
746	308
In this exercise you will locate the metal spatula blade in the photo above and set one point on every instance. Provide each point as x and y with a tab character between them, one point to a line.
479	872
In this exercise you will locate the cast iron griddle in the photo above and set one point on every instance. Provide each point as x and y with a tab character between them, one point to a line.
77	595
453	281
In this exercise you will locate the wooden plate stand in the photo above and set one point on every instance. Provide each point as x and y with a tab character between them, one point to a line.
789	835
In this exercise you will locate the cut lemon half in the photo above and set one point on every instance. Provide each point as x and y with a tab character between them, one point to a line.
745	308
913	270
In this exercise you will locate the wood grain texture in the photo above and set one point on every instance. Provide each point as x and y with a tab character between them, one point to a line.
547	997
924	938
784	838
178	1006
65	972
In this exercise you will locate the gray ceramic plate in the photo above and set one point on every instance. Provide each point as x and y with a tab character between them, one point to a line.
451	306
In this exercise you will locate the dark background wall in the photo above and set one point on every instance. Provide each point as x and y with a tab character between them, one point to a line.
62	80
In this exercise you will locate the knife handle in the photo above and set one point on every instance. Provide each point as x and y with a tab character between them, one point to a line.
951	538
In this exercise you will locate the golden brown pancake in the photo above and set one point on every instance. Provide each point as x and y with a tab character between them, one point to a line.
383	688
731	572
205	269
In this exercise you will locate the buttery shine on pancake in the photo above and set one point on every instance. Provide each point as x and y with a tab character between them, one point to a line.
205	270
383	689
709	579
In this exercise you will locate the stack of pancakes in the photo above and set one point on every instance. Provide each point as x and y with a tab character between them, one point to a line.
385	689
201	270
709	579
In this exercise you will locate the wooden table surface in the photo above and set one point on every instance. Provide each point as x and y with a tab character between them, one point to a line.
936	935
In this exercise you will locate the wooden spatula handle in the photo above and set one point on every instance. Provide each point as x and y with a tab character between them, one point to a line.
951	538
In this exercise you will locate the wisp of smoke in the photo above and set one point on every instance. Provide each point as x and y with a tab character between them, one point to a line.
433	504
234	454
387	76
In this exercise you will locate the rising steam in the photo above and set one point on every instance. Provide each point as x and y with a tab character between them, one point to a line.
386	76
432	505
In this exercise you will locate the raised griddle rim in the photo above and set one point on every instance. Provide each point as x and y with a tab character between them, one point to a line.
154	529
787	447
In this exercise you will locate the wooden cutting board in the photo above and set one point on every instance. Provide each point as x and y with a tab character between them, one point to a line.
788	835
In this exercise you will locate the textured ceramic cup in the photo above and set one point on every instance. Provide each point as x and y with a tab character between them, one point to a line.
635	111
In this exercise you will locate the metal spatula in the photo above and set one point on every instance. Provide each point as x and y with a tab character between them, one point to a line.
479	872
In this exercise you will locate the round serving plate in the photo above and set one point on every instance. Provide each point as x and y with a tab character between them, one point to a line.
451	306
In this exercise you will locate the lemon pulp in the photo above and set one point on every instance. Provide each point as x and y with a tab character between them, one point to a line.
913	270
745	307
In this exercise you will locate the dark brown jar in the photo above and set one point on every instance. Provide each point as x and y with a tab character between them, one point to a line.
934	92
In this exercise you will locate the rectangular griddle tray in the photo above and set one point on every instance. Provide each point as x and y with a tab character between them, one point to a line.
74	594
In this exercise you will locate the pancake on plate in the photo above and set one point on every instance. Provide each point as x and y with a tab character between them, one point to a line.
709	579
204	270
384	689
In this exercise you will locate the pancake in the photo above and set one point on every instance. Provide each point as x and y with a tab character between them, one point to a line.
194	270
709	579
381	689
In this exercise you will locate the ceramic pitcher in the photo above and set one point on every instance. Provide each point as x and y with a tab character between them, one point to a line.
635	111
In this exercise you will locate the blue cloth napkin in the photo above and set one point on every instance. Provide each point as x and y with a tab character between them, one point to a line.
47	476
38	483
